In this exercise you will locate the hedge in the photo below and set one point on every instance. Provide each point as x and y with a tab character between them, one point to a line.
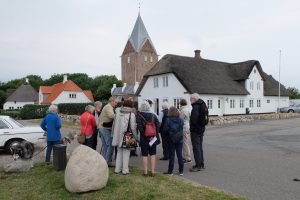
33	111
72	108
12	113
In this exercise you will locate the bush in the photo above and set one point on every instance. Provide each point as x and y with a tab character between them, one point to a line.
72	108
34	111
12	113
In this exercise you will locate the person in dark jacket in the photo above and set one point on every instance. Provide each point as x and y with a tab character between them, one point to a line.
174	132
162	118
51	124
97	112
145	115
197	131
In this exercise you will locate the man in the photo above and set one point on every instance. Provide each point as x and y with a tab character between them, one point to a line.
105	124
98	106
162	119
197	128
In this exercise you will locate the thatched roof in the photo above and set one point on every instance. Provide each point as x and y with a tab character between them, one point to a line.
24	93
211	77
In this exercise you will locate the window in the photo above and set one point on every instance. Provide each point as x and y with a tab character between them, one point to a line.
242	101
155	82
151	59
254	71
165	81
258	85
128	59
209	104
251	85
146	58
232	102
219	103
176	103
3	125
258	103
72	96
268	100
251	103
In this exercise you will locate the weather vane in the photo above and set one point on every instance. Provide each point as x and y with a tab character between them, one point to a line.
139	6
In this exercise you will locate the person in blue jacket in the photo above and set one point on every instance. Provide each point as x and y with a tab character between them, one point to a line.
51	124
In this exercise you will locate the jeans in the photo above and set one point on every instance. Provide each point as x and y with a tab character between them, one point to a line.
197	140
107	149
172	148
50	145
165	147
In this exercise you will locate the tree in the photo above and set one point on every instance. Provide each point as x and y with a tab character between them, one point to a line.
102	86
294	93
3	97
35	81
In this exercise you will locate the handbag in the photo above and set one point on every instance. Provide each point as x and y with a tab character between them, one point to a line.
81	136
176	137
128	140
150	129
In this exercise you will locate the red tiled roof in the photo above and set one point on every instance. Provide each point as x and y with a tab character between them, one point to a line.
89	95
46	89
58	88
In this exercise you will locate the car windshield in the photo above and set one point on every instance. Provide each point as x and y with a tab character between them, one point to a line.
11	120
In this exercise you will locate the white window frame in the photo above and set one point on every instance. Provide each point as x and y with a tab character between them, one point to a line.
176	103
155	82
242	103
232	103
165	81
219	103
210	104
258	85
258	103
251	103
268	101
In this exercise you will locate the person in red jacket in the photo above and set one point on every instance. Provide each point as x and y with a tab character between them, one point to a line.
88	123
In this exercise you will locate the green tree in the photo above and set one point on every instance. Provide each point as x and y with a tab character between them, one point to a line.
35	81
102	85
3	97
294	93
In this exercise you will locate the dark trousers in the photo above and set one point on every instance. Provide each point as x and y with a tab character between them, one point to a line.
50	145
95	139
164	139
178	148
197	141
89	142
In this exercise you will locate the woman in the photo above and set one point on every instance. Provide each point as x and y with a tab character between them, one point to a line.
142	118
88	123
185	116
174	130
124	116
51	124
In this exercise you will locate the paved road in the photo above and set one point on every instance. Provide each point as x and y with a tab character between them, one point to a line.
257	160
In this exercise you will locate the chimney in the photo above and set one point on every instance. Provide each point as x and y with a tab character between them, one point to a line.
65	78
124	86
197	54
113	88
26	81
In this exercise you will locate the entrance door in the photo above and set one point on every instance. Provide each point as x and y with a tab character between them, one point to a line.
156	106
220	106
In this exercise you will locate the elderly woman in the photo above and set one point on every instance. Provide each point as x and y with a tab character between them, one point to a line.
147	148
88	123
124	117
174	131
51	124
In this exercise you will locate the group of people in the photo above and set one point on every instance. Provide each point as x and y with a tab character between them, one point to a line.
172	128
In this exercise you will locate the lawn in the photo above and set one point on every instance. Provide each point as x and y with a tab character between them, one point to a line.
43	182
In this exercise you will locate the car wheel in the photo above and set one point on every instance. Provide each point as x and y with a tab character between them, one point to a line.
290	111
11	144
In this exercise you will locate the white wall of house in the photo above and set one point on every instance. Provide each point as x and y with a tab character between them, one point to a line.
156	90
71	97
42	97
15	105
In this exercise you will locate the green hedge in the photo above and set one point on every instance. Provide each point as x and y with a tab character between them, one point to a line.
33	111
12	113
72	108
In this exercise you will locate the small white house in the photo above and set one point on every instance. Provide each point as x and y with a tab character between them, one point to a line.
23	95
64	92
227	88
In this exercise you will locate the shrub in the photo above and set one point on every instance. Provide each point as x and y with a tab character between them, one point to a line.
34	111
12	113
72	108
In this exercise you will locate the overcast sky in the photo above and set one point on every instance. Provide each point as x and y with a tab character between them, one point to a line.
44	37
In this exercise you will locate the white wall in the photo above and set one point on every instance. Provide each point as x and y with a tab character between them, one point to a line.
64	98
15	105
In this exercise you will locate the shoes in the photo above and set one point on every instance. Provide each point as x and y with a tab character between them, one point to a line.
187	161
152	174
195	169
163	158
145	175
110	165
180	173
169	174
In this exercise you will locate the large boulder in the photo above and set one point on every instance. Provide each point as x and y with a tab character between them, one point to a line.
86	170
20	165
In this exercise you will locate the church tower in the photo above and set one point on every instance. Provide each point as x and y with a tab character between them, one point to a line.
139	54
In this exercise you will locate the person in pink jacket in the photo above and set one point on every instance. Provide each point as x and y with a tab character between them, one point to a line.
88	123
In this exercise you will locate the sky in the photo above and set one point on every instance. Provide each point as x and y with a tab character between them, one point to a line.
46	37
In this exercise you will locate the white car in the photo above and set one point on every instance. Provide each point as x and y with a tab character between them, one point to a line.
13	133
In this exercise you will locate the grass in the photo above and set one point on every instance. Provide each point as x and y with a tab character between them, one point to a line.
64	124
43	182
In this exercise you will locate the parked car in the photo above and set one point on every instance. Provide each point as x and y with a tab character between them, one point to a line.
13	133
291	109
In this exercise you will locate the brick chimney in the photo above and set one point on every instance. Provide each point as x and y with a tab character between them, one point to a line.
197	54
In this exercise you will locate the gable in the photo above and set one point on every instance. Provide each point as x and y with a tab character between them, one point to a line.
147	47
128	48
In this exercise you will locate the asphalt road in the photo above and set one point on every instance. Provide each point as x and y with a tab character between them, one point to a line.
257	160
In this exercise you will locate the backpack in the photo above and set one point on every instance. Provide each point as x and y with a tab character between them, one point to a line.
150	129
203	113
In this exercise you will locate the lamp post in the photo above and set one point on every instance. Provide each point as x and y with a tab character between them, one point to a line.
278	110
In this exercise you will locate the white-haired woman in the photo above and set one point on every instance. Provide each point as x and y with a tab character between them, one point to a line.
51	124
88	123
142	118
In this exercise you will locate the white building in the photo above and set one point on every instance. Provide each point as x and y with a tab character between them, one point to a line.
227	88
64	92
23	95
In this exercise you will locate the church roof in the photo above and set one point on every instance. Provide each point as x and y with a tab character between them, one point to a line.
139	35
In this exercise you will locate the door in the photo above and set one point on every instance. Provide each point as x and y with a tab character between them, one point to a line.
220	106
